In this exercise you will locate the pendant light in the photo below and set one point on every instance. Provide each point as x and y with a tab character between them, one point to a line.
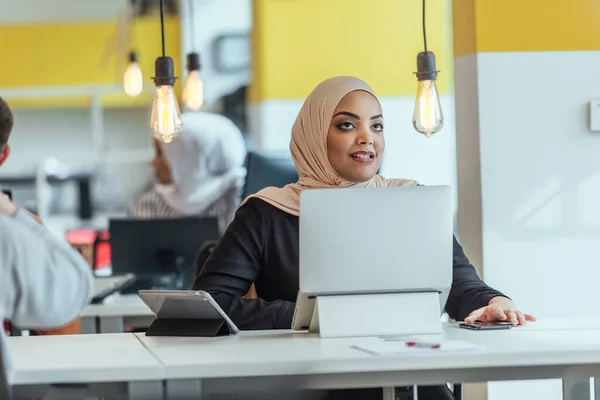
193	96
165	123
427	117
132	79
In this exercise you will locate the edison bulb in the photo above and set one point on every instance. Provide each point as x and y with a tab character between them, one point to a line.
132	80
428	118
165	123
193	96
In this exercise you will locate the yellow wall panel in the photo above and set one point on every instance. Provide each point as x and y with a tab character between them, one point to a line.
526	25
463	22
298	43
72	54
109	101
71	102
538	25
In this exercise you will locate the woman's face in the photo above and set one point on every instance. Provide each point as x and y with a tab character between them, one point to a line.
162	171
355	141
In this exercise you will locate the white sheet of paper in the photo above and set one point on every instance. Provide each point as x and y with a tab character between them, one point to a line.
399	348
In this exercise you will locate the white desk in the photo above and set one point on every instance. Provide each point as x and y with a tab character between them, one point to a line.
195	366
284	360
115	313
85	359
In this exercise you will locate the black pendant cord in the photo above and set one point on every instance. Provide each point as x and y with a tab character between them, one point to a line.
424	31
162	25
192	30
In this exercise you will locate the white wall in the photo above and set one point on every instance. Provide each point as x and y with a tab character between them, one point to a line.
212	18
540	185
541	179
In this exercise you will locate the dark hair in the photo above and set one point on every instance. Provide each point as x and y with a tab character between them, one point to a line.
6	122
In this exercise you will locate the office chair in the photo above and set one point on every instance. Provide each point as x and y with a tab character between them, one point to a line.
457	389
205	252
265	168
410	393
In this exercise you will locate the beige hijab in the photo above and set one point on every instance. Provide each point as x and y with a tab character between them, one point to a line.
309	148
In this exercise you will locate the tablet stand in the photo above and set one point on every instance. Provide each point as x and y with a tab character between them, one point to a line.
188	327
376	314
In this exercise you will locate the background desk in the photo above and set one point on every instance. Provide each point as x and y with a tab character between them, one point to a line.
115	313
87	359
82	178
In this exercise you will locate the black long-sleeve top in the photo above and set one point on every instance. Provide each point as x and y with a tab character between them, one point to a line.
261	246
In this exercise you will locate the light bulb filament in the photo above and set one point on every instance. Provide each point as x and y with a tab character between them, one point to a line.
427	118
166	123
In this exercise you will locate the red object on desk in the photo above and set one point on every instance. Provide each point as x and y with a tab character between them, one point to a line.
424	345
93	245
102	250
83	240
81	236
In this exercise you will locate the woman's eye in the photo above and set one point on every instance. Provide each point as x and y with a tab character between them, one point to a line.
345	126
378	127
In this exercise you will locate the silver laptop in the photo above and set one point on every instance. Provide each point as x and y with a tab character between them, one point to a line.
376	240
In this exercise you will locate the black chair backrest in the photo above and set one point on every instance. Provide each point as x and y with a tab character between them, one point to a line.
203	255
265	168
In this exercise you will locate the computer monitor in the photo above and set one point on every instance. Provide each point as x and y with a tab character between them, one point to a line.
266	169
155	249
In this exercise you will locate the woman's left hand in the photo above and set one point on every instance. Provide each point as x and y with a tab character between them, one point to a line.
500	309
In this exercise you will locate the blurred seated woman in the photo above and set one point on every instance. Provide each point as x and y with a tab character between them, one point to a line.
199	174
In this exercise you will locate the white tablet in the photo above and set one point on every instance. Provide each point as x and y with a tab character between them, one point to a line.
185	304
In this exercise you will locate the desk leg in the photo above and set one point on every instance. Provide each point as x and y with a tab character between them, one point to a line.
85	199
389	393
184	389
66	392
88	326
111	325
408	393
576	389
146	390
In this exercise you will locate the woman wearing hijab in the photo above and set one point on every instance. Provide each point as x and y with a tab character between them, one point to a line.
337	142
199	174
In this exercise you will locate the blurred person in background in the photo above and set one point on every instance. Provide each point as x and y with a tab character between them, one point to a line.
44	283
199	174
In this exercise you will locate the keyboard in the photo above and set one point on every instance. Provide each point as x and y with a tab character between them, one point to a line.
105	286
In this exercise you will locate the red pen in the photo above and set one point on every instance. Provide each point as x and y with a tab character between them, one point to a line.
424	345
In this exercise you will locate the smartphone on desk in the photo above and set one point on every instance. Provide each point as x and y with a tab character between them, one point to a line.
486	326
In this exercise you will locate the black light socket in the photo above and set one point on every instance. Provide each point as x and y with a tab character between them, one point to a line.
132	57
193	62
426	66
165	71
